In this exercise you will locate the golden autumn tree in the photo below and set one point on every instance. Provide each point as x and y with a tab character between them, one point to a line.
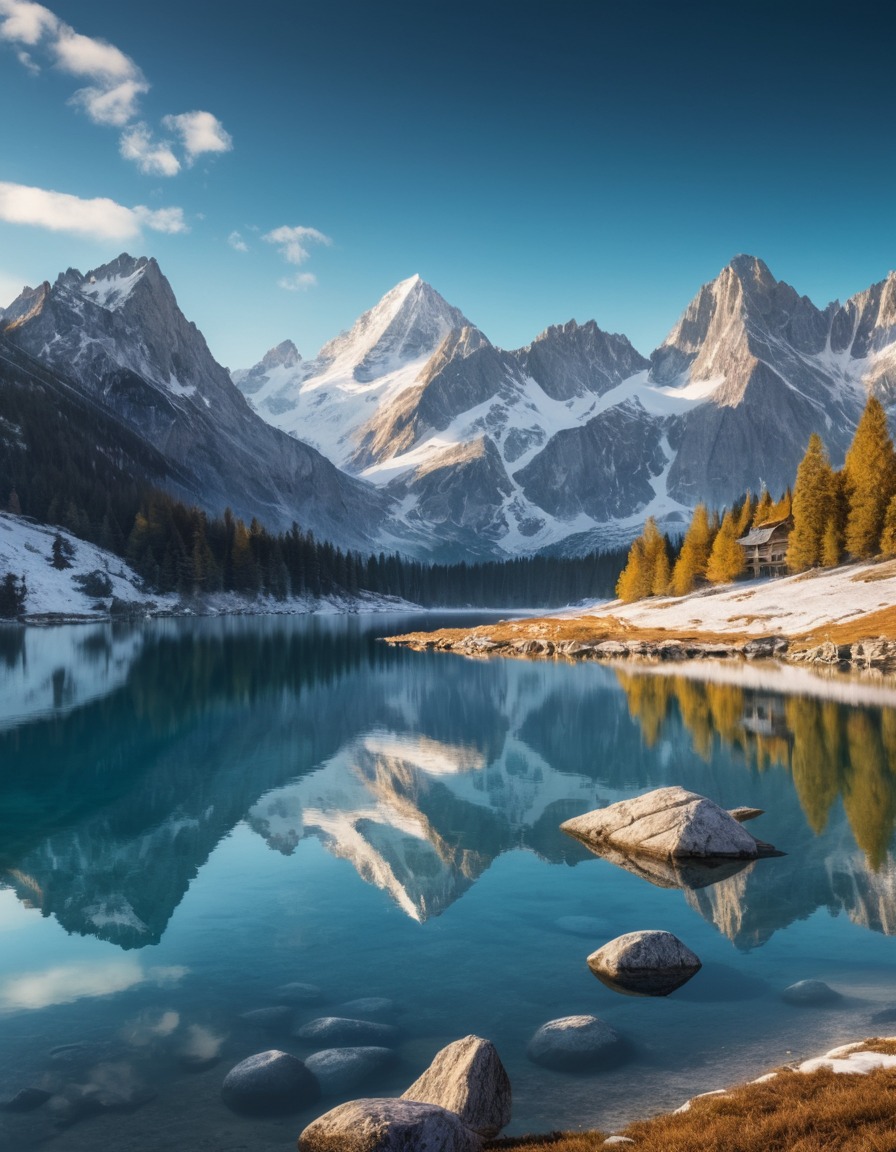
694	555
814	506
726	559
870	480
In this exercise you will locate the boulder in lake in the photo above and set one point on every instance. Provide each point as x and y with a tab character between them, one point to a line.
467	1077
575	1042
389	1126
648	963
269	1082
669	823
336	1030
338	1070
810	994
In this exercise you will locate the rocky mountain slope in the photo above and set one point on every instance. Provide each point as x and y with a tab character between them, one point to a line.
118	338
570	442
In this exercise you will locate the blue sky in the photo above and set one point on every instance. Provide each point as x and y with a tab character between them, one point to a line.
533	161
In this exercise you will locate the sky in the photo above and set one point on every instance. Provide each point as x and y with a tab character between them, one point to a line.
287	163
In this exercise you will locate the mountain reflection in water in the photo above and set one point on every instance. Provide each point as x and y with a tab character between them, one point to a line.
130	751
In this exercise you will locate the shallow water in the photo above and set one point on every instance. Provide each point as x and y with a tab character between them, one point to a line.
193	813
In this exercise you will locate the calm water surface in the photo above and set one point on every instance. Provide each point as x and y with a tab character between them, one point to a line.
193	813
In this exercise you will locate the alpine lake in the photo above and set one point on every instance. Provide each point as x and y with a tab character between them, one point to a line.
195	813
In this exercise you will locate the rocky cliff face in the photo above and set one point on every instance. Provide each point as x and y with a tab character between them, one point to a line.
119	336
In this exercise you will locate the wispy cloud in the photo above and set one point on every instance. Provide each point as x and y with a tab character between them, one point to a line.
115	86
153	158
300	282
199	132
25	23
67	983
100	218
293	242
236	242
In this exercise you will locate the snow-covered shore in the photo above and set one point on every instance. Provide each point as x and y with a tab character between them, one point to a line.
55	594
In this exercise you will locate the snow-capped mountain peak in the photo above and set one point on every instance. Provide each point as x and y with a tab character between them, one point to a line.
407	324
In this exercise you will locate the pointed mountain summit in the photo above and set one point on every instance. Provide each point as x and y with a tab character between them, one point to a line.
573	359
118	335
409	323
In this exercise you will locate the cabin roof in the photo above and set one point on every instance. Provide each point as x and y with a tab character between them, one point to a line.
763	533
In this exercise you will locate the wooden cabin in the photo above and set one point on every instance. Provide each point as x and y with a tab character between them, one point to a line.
765	548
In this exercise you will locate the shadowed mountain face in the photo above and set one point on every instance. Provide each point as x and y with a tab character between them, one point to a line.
118	338
136	745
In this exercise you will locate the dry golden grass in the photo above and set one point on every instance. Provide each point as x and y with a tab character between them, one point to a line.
820	1112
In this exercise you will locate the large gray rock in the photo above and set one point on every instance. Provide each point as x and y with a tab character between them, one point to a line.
646	963
338	1070
671	823
389	1126
269	1082
574	1042
467	1077
335	1030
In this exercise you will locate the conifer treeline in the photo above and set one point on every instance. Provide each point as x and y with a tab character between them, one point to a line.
850	514
176	548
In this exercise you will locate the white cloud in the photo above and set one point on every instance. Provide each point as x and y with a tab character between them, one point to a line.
67	983
300	282
84	56
24	22
236	242
115	84
199	132
100	218
293	242
154	159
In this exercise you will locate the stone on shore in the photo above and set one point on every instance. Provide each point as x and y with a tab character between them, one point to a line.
337	1070
810	994
389	1126
468	1078
670	823
574	1042
269	1082
648	963
336	1030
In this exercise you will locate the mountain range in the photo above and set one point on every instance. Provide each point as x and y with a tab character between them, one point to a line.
412	431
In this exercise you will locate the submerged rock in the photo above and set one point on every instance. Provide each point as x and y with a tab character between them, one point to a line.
648	963
810	993
336	1030
26	1100
275	1020
468	1078
574	1042
368	1006
588	926
269	1082
298	993
389	1126
338	1070
668	823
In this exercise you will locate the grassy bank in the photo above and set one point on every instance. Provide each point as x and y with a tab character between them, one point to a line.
798	1110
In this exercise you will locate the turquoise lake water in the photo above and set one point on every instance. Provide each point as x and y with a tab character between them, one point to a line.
194	813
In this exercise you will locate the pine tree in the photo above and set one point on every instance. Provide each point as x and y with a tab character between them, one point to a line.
870	480
727	559
763	508
814	505
694	555
61	553
831	544
744	516
888	535
634	580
